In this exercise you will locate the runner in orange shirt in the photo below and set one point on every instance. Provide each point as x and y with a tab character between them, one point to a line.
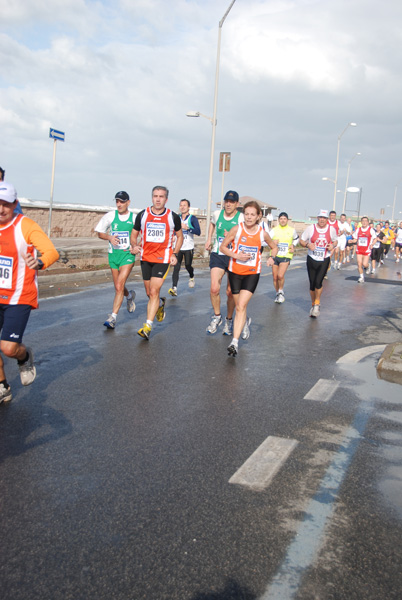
243	244
20	238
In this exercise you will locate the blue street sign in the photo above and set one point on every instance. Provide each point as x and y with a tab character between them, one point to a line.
57	135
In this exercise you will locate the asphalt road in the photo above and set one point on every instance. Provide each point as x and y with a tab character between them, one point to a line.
115	464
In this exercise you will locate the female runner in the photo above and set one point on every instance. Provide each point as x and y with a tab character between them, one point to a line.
243	244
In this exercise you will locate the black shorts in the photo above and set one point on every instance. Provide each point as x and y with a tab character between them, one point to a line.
317	270
398	245
13	320
281	259
243	282
376	254
149	270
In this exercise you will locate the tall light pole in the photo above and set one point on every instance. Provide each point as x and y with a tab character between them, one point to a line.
347	180
213	120
393	206
337	160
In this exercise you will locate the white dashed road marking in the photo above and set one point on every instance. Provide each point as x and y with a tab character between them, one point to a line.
323	390
259	470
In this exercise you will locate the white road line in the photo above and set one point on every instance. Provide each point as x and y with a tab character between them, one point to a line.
323	390
259	470
357	355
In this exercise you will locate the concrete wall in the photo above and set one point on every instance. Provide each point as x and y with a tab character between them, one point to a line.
81	223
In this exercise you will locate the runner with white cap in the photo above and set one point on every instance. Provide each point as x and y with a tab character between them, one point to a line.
320	240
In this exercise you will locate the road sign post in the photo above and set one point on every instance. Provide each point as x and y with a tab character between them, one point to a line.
224	165
55	135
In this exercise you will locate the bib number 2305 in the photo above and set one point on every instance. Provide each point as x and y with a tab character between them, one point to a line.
156	232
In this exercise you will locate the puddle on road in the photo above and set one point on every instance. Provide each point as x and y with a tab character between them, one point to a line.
386	398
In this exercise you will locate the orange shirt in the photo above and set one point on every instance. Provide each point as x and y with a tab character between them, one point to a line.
250	243
18	283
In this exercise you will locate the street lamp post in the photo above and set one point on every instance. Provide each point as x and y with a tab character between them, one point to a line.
213	120
347	180
393	206
337	160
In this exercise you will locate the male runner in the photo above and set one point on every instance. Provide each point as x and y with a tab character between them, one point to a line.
157	225
376	250
333	222
190	227
222	221
285	238
20	239
398	242
389	236
320	240
364	238
116	227
344	231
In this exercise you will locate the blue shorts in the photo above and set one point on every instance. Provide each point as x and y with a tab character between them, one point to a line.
220	261
13	320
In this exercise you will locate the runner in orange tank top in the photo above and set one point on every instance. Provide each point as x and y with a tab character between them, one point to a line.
20	238
245	265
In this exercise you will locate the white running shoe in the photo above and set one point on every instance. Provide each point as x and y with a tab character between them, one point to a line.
28	369
281	297
173	291
368	270
191	283
373	272
361	279
245	334
397	260
315	311
110	322
214	324
131	302
228	327
339	266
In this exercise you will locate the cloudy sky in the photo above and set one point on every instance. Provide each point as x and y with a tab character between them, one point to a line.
119	76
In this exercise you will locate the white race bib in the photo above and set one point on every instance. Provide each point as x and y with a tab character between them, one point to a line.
253	250
6	272
155	232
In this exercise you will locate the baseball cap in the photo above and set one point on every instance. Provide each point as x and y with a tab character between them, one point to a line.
231	195
283	214
7	192
123	196
323	213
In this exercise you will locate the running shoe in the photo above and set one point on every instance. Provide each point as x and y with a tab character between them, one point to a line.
145	331
368	270
173	291
361	279
110	322
27	369
160	313
214	324
245	334
228	327
311	311
277	298
281	297
373	272
131	302
339	266
315	312
397	260
232	350
191	283
5	393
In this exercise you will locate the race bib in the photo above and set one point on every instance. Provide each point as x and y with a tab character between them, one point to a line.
283	248
6	272
155	232
376	245
362	241
124	240
319	253
253	251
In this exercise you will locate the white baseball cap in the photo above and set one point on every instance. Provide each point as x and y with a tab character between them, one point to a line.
7	192
323	213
